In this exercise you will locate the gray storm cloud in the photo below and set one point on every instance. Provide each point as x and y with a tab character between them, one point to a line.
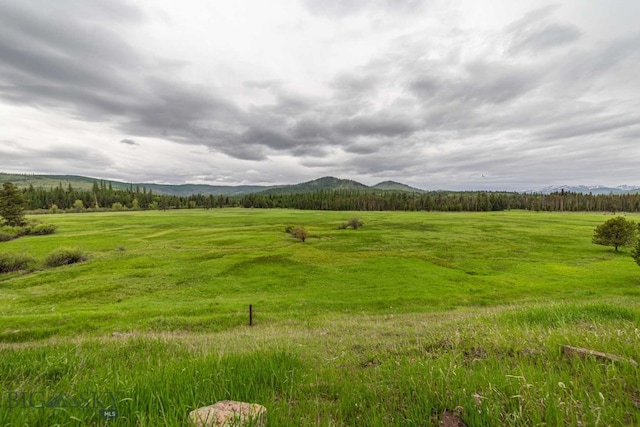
422	103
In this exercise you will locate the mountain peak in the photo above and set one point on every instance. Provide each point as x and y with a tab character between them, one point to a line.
332	180
395	186
329	183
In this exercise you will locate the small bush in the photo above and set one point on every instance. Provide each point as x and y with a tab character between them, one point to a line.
32	228
39	229
13	230
5	237
14	262
297	232
300	234
355	223
64	256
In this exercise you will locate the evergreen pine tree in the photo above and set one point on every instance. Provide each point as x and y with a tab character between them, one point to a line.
11	204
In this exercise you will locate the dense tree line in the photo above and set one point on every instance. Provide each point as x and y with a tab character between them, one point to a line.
103	197
449	202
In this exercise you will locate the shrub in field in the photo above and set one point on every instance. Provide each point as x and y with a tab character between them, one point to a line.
301	234
64	256
39	229
5	237
297	232
14	262
635	253
9	232
31	228
354	223
15	231
78	206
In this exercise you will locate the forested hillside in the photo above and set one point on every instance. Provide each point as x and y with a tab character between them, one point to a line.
103	196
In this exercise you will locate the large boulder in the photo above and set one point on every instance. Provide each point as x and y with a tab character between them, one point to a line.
228	413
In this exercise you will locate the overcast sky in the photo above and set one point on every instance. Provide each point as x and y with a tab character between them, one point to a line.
465	94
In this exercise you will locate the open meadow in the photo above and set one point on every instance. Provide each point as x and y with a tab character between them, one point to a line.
392	324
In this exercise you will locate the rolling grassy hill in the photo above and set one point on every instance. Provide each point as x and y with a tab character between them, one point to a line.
411	316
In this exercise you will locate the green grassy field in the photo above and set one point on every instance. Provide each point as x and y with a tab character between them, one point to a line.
388	325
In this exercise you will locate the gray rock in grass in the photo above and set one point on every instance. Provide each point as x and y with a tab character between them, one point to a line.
229	413
450	419
584	352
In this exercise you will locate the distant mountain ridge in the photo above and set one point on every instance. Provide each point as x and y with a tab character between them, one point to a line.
86	183
327	183
586	189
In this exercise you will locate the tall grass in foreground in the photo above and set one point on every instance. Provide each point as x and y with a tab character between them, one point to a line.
492	366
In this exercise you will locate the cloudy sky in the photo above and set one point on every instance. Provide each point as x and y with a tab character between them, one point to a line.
460	94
